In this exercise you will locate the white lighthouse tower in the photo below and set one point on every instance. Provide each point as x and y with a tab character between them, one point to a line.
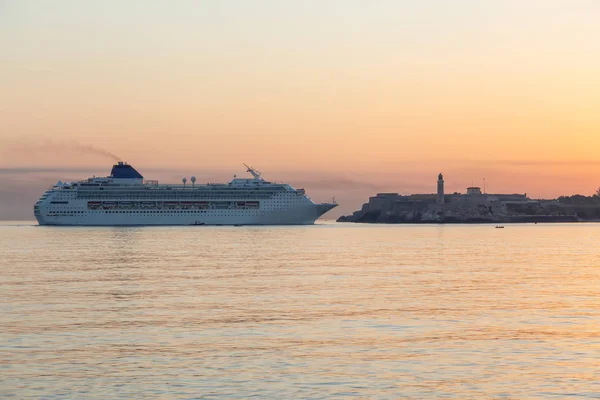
440	189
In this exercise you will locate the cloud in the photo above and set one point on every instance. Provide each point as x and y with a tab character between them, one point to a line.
525	163
337	183
45	170
20	187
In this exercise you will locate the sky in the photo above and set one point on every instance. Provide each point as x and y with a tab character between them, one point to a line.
344	98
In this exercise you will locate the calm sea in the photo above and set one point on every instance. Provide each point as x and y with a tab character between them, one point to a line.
325	311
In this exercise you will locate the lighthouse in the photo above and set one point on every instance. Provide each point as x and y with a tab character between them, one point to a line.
440	189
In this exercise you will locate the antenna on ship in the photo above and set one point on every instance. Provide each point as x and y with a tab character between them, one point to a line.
184	180
193	179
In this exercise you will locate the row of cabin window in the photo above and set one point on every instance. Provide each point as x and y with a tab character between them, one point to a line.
185	193
162	212
126	196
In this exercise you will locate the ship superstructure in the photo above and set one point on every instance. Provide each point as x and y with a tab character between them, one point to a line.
125	198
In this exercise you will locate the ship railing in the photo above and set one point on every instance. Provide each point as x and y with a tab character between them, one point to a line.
150	182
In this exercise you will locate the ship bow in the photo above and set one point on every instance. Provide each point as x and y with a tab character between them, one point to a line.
324	207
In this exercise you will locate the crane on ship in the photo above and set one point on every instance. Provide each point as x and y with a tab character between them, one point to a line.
255	173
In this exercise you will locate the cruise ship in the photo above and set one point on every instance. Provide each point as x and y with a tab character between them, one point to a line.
126	198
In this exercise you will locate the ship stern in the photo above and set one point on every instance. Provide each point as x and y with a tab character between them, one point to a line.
38	216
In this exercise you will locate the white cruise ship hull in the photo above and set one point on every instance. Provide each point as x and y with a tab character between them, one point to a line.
306	215
125	199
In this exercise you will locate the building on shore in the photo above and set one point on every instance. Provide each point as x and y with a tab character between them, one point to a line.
474	206
395	201
473	190
439	204
440	189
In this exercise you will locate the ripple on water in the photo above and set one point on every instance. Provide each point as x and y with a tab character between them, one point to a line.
328	311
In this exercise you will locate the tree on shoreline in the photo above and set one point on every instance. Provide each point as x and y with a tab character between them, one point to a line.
578	199
597	192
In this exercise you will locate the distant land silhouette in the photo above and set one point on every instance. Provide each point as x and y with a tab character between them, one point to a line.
475	206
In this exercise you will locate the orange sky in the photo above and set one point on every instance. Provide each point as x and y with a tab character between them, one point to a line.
390	92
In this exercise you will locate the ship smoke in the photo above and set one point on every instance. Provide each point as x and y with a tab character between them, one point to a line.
61	146
95	150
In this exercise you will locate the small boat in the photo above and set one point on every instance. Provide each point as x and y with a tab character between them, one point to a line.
499	226
237	225
197	223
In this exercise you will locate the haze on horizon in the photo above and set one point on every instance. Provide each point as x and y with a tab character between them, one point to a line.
346	98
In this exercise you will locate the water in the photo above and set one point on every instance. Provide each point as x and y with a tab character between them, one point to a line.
326	311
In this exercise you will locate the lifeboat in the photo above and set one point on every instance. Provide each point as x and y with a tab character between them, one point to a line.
200	204
109	204
93	205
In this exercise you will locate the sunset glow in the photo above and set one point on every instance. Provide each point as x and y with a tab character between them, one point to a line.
385	93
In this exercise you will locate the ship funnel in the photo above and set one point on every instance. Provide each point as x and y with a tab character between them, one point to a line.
122	170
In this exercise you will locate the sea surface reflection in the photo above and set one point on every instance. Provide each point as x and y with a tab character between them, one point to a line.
325	311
